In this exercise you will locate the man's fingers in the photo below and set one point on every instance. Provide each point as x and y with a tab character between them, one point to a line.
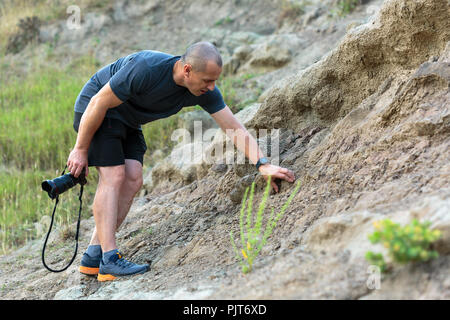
78	171
280	173
274	186
291	178
283	176
71	169
287	175
76	162
290	174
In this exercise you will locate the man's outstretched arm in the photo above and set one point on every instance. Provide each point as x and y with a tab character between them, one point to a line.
90	121
245	142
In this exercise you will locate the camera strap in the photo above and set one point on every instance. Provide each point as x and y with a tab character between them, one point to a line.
51	225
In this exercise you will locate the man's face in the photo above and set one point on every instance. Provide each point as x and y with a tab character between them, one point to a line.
200	82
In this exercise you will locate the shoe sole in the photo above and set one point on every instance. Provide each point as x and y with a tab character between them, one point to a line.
88	270
105	277
110	277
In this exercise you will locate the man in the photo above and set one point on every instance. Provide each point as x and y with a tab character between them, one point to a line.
113	104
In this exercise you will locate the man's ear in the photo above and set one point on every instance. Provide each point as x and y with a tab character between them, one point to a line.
187	68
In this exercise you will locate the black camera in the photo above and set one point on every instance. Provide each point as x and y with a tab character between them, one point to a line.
63	183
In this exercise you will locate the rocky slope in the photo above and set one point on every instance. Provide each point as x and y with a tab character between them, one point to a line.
366	129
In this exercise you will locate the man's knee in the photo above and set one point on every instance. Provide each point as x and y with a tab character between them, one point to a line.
114	176
133	174
134	182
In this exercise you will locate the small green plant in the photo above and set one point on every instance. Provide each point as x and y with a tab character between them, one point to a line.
251	240
222	21
410	243
346	6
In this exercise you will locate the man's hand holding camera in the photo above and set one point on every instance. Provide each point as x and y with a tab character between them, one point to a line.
78	159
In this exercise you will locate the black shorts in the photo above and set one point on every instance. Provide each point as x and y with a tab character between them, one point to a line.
113	143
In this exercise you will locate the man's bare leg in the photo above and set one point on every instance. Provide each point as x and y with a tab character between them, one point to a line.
130	186
106	205
112	202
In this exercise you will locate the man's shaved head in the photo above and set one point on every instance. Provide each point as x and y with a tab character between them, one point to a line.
198	55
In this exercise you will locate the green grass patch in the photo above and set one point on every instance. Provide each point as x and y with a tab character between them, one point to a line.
36	136
37	115
23	204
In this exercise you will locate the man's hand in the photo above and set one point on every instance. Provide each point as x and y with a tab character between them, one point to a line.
247	144
268	169
78	159
91	120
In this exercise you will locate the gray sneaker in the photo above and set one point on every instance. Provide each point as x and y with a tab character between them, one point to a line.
116	266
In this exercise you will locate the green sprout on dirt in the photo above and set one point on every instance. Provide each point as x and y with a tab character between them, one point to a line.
251	240
410	243
347	6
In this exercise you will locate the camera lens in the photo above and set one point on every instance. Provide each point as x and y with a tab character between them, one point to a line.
50	187
59	185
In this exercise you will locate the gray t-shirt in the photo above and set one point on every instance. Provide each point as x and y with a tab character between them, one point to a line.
144	82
